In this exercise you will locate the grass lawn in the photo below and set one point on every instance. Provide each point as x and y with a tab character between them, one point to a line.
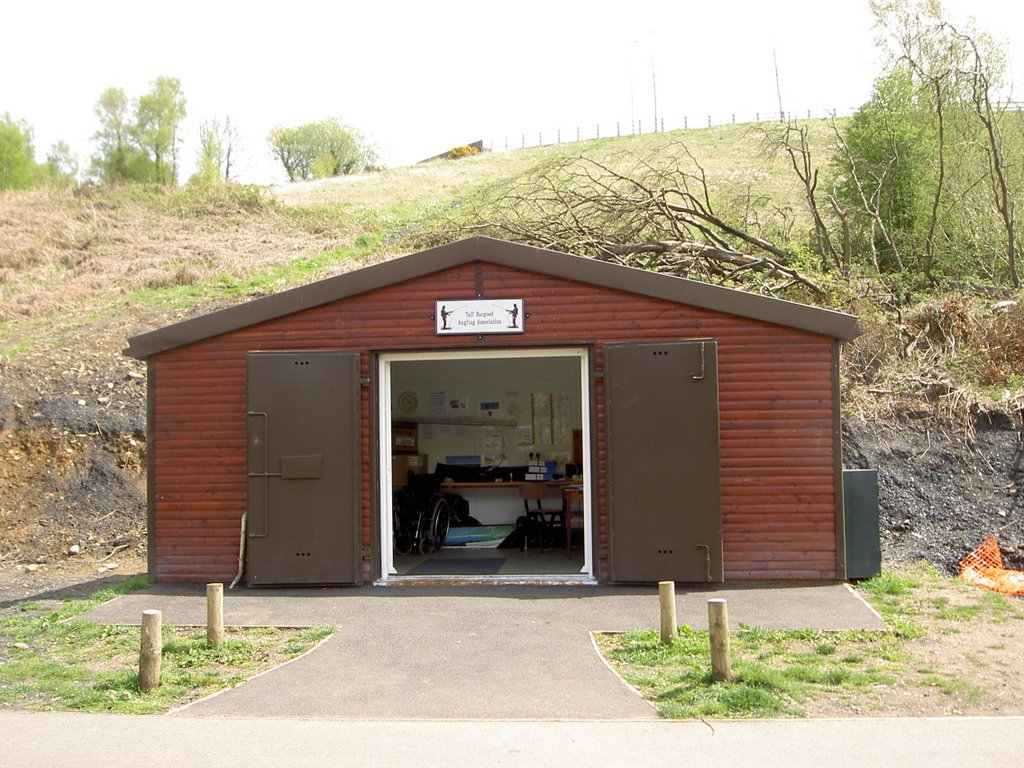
784	673
51	661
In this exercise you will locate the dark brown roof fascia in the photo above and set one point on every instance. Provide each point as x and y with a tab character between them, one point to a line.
554	263
675	289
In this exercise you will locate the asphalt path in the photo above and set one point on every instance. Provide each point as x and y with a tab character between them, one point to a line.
33	739
498	653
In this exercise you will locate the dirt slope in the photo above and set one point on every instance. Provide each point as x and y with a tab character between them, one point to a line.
940	491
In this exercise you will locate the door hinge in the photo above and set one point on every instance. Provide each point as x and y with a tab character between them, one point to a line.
364	381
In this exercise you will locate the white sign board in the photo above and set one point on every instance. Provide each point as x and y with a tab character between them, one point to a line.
479	316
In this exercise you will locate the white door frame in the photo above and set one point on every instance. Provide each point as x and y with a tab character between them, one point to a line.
384	361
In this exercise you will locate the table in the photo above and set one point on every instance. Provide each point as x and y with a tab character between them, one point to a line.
572	493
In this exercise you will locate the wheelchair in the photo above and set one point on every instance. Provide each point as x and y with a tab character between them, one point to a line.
421	515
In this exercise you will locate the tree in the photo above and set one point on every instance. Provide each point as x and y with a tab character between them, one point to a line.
62	165
987	114
18	168
118	157
158	116
139	140
211	157
883	169
290	148
218	152
790	138
320	150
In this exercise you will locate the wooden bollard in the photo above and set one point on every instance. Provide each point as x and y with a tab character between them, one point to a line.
152	649
667	596
718	626
215	615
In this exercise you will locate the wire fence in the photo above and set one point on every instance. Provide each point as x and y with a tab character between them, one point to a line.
635	127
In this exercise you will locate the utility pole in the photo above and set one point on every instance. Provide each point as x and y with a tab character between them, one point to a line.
654	84
632	101
778	88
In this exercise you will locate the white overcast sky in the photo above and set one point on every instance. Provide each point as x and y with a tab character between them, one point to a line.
422	77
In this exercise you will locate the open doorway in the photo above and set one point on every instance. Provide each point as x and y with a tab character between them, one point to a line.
465	438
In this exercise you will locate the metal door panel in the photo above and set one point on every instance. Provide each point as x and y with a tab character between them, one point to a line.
303	464
302	467
663	461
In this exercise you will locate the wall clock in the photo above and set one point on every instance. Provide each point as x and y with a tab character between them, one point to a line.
407	402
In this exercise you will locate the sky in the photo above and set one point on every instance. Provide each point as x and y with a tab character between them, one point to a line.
420	78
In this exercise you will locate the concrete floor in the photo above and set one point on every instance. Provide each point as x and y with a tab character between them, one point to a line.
510	562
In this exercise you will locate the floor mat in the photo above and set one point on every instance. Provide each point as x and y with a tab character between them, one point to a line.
469	566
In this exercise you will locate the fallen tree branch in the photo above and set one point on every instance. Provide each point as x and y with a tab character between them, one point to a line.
656	217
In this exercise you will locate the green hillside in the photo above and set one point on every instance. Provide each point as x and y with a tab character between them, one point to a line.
89	268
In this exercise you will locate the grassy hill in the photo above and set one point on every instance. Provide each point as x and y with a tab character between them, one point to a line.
144	252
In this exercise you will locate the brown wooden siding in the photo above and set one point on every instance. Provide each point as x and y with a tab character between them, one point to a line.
775	402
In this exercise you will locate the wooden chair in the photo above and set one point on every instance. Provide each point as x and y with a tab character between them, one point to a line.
572	512
545	518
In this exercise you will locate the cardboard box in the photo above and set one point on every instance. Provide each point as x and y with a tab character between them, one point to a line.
403	464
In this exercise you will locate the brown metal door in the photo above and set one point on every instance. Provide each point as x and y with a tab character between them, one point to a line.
663	464
303	521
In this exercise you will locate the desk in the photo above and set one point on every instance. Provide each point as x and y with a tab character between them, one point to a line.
508	484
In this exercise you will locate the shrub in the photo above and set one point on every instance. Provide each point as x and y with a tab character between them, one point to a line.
464	151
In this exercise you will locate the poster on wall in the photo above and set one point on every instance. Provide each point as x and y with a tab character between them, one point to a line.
524	437
438	404
492	440
560	427
540	403
458	406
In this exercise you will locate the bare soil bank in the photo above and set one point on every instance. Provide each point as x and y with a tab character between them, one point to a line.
942	491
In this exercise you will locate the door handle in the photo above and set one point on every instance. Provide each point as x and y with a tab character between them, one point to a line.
265	475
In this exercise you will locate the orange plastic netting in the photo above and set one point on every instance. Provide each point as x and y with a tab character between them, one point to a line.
984	568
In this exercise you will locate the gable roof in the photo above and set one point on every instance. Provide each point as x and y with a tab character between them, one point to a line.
485	249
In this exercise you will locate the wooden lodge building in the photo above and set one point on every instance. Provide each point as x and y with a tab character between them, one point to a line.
685	431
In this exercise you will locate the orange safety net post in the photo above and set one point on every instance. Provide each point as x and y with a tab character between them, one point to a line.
984	568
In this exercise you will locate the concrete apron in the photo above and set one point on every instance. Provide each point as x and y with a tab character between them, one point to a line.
467	653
